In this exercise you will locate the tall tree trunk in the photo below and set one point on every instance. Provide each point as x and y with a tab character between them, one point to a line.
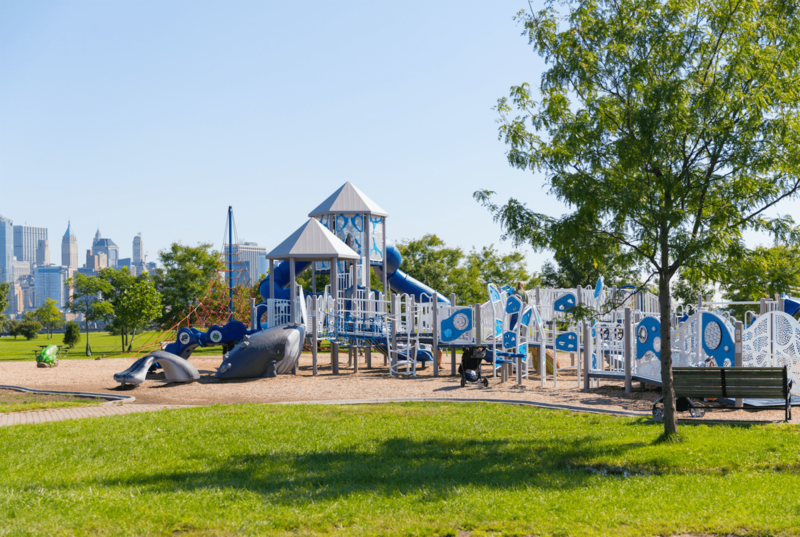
88	349
665	307
133	335
122	337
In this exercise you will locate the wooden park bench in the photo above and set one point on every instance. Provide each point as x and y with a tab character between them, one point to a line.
727	383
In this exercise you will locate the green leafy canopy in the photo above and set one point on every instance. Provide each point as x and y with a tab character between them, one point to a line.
668	128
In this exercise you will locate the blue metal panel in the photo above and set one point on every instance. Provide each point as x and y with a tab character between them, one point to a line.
565	303
509	340
567	342
717	340
648	337
456	325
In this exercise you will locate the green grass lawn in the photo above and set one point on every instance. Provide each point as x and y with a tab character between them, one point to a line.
399	469
13	401
102	343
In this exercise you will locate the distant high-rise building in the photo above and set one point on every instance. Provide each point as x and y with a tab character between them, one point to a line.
6	250
69	249
22	269
138	250
107	247
26	240
42	253
246	269
51	282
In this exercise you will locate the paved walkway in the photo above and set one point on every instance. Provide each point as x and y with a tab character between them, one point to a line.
59	414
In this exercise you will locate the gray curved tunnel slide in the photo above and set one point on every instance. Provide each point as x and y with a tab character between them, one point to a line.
176	369
267	353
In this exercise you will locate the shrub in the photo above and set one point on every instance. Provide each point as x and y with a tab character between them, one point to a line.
29	328
72	334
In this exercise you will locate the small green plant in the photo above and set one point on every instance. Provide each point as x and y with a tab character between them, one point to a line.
72	334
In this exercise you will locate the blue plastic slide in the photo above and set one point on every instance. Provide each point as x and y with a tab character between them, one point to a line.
399	281
282	279
791	306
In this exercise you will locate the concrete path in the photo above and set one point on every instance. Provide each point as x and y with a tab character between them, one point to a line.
59	414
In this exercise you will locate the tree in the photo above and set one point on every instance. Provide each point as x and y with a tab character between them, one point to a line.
574	268
430	261
138	306
72	334
486	266
185	278
667	128
29	328
49	316
765	272
689	286
87	298
5	292
12	327
135	300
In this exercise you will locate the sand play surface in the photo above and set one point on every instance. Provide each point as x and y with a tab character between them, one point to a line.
368	384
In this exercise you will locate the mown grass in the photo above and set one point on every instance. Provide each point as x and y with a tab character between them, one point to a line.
400	469
11	401
102	343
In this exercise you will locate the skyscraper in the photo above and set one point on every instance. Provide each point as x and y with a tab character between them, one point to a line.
50	282
246	267
42	253
6	250
138	250
106	246
26	240
69	249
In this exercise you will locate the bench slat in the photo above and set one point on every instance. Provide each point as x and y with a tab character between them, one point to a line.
755	393
701	372
767	383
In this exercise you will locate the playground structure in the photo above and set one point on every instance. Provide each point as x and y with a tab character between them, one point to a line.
410	324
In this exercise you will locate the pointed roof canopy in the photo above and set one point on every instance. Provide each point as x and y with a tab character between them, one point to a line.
348	199
312	242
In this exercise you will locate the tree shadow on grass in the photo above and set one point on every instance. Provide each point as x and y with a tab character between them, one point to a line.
396	467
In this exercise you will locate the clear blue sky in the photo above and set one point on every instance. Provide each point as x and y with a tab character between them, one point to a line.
154	116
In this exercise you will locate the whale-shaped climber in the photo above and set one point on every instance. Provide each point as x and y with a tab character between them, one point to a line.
176	369
270	352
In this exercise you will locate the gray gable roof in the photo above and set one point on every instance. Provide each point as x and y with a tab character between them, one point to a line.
312	242
348	199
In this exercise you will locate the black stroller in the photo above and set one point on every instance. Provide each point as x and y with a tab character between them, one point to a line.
470	367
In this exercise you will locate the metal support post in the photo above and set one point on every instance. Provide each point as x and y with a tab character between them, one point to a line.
314	322
628	349
453	350
293	300
253	319
392	346
335	314
737	352
435	329
587	355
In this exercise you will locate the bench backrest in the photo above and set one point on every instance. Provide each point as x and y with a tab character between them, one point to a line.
749	382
